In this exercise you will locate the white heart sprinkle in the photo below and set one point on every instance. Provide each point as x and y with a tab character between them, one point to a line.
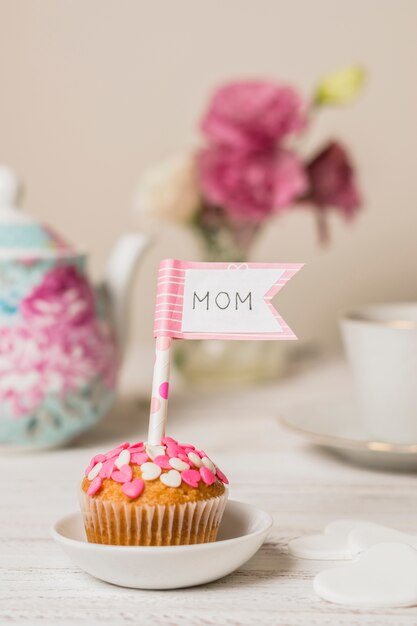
195	459
208	463
150	471
178	464
95	471
154	451
171	478
122	459
383	576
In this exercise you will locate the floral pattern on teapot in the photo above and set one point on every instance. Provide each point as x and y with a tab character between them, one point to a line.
58	357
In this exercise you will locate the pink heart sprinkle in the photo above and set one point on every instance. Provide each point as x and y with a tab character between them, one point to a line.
163	461
188	447
139	457
107	469
191	477
200	453
99	458
222	477
95	485
124	475
173	450
207	475
133	489
166	440
183	457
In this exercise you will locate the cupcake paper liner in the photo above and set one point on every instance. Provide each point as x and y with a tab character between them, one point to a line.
135	524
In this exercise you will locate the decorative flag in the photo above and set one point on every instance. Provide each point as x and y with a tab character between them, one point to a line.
212	301
221	300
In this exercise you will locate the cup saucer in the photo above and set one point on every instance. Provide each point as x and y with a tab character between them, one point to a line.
242	532
337	426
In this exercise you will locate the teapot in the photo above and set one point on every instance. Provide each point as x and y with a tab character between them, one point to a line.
61	339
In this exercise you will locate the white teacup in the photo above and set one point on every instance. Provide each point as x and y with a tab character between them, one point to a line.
381	345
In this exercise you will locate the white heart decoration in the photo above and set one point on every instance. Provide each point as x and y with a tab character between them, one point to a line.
179	465
195	459
95	471
208	463
362	539
122	459
154	451
383	576
331	544
171	478
150	471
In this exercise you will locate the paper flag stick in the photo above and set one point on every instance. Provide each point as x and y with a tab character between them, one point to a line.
160	391
212	301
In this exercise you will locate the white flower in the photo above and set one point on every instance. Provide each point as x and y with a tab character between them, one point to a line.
170	190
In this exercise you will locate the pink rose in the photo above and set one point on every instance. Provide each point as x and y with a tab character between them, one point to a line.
253	115
63	298
331	178
248	186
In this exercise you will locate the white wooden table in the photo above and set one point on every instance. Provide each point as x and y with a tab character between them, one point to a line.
302	487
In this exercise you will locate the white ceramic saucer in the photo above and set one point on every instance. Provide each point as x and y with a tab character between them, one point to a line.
337	426
242	532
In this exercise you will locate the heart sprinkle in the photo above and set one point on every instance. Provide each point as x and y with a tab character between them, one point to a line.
171	478
191	477
208	463
163	461
123	459
123	475
195	459
150	471
207	476
95	486
178	464
222	476
134	488
95	471
154	451
173	449
138	458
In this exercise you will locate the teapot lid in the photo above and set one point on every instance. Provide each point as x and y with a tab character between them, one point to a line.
22	236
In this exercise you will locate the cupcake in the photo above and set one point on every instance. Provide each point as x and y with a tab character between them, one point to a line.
143	495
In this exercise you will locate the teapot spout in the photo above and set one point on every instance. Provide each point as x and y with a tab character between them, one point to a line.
118	278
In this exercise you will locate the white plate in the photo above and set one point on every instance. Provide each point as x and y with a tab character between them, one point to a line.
337	426
242	532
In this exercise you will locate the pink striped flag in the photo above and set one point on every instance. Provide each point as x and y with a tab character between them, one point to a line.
221	300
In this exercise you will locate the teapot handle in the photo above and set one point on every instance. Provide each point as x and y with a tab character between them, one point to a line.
9	188
118	279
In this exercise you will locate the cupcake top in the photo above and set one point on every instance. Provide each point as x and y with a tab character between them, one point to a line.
164	474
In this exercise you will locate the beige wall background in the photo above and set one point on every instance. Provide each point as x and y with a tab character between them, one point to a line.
93	91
